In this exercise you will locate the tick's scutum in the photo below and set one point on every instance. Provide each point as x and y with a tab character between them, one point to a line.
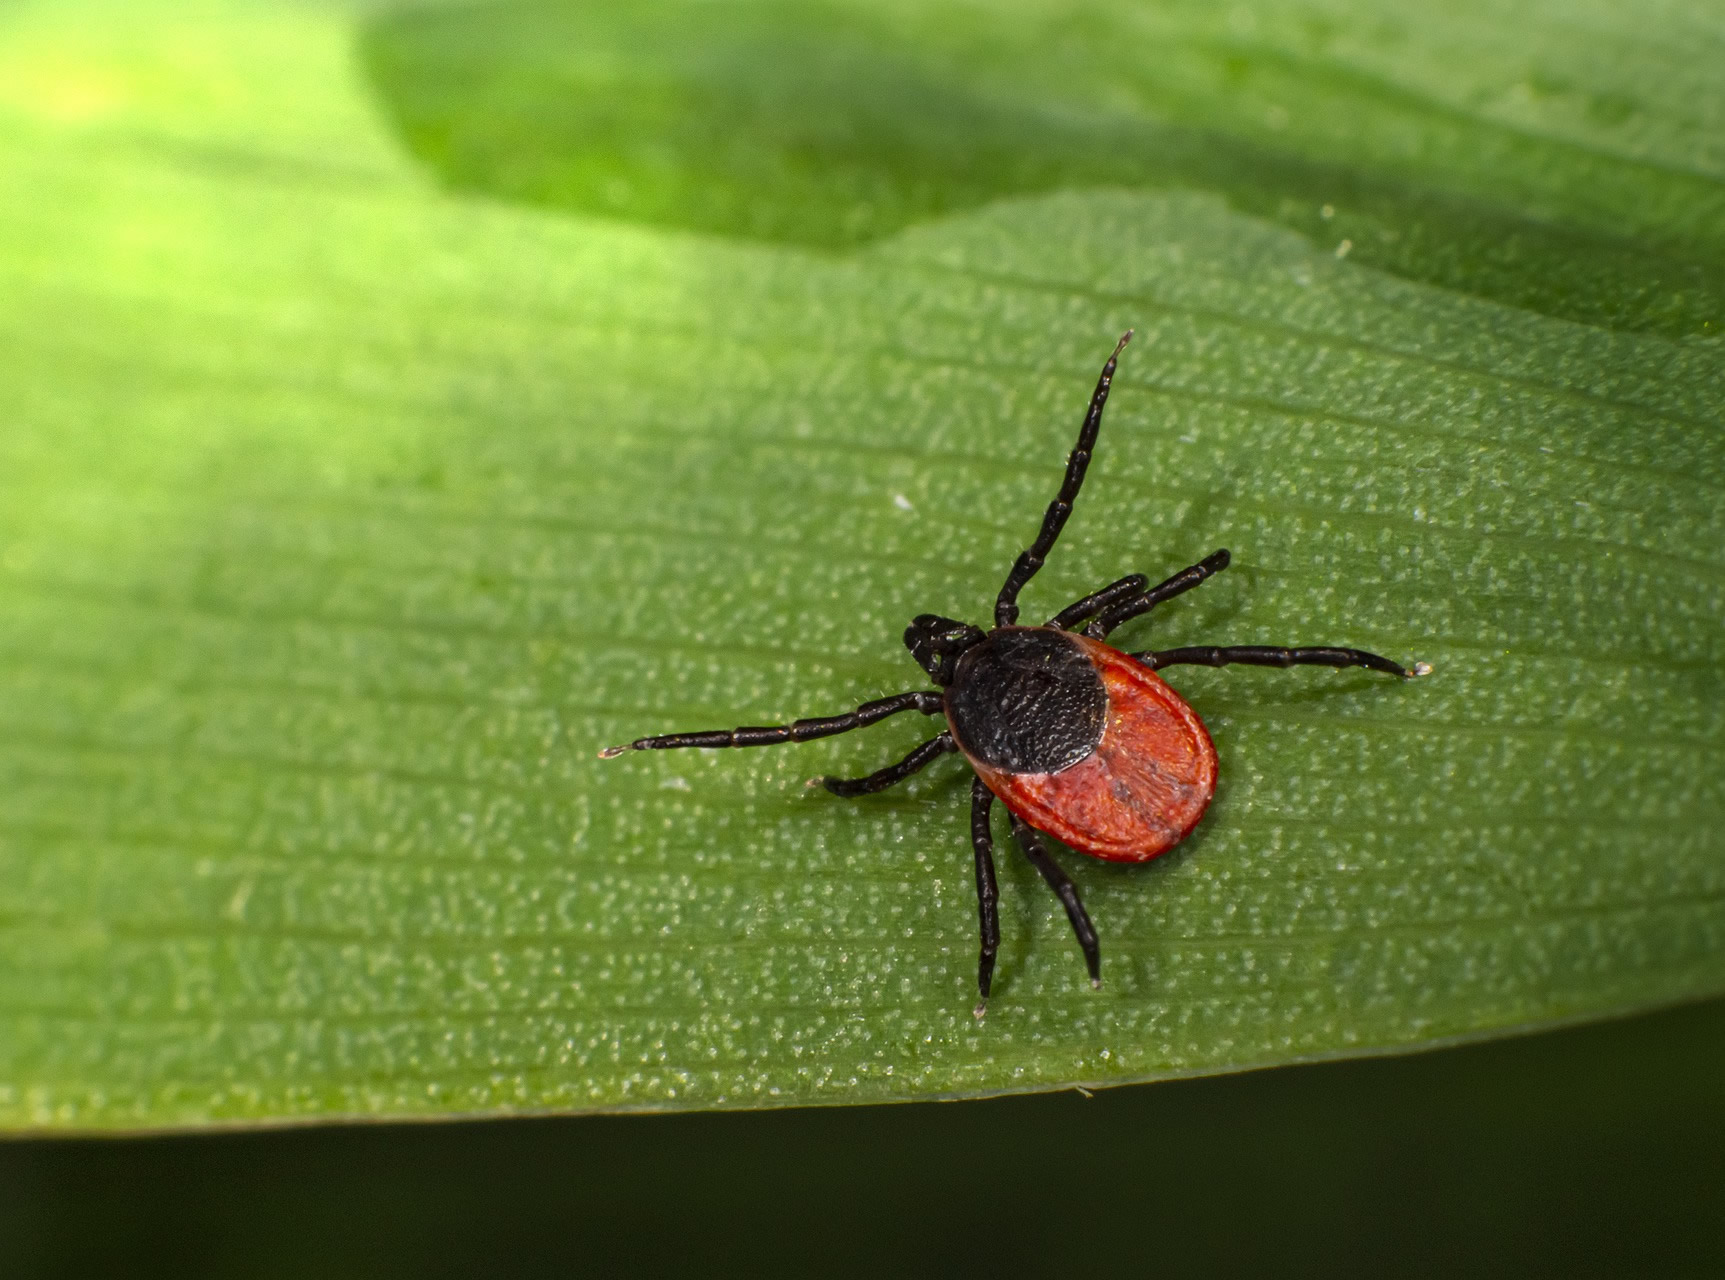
1027	700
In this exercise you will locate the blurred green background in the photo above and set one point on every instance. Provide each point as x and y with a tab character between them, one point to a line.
1597	1151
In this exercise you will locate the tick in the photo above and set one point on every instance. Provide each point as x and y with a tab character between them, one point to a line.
1077	739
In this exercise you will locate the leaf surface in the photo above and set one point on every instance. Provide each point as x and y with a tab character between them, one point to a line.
343	517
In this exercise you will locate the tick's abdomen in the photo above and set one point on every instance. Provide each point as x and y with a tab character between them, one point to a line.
1027	700
1140	787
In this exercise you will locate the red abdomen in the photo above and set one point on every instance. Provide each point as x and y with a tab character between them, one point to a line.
1143	788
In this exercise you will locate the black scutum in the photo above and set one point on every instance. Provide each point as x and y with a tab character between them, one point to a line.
1027	700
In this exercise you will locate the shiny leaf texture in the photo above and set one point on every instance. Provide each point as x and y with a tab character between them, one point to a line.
351	497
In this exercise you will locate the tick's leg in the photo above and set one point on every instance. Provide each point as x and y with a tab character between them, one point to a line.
1263	655
1099	601
1185	580
893	774
928	702
987	892
1024	569
1067	892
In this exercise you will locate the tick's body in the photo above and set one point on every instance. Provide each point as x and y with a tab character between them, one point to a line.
1077	739
1133	770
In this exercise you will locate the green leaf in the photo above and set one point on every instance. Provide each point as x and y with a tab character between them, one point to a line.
342	518
1575	173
